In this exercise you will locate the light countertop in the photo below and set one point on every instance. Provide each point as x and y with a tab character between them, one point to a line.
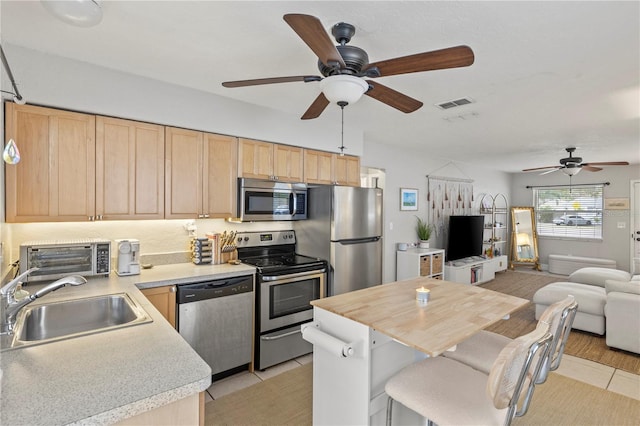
454	312
106	377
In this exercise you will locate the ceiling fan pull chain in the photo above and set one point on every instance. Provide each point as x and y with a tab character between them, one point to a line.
342	104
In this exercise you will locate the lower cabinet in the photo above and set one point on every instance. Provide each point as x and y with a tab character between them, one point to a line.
164	300
417	262
186	411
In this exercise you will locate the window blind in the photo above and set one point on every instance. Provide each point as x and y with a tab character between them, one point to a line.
573	212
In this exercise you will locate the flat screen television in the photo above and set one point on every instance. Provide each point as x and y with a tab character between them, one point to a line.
465	236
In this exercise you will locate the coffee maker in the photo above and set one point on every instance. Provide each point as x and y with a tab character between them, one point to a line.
128	262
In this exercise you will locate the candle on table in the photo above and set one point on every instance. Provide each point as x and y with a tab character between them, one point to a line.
422	295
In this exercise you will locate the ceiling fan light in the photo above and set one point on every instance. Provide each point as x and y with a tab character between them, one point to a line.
343	88
571	169
81	13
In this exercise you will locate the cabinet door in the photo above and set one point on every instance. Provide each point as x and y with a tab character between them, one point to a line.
164	300
347	170
129	169
255	159
55	178
219	172
287	163
183	173
318	167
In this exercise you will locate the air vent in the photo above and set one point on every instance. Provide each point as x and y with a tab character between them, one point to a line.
455	103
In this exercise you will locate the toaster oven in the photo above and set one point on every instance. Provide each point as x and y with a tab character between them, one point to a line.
56	259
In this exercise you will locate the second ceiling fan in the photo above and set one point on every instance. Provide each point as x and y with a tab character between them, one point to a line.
348	66
572	165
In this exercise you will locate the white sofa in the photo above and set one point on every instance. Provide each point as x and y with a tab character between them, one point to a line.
608	302
622	312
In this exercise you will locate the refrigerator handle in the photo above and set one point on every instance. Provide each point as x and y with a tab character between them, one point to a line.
359	241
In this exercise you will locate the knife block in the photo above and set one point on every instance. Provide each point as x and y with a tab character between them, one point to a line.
228	255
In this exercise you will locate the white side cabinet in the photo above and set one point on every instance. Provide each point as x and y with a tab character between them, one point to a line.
475	270
417	262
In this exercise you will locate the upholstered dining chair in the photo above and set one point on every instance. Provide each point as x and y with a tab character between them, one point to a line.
481	350
447	392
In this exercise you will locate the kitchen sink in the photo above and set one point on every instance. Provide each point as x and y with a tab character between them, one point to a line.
78	317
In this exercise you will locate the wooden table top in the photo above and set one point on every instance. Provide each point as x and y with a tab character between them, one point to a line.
454	312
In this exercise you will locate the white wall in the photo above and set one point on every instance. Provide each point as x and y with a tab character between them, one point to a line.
408	169
63	83
616	232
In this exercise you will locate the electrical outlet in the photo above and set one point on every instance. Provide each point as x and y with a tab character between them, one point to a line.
191	228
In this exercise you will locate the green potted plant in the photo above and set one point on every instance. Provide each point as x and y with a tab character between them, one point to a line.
424	232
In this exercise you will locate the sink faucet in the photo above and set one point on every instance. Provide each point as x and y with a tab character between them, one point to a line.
11	306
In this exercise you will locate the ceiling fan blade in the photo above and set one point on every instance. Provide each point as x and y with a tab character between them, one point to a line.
607	163
542	168
452	57
392	98
550	171
590	168
316	107
259	81
310	30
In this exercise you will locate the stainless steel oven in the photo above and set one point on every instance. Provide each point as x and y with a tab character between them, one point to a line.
286	284
264	200
285	299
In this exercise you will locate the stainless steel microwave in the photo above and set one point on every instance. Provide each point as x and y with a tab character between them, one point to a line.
265	200
56	259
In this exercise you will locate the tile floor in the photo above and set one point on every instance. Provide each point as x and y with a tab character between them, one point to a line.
590	372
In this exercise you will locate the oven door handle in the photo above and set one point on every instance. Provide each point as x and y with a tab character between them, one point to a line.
281	336
285	277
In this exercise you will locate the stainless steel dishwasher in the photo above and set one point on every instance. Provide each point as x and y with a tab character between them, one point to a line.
216	318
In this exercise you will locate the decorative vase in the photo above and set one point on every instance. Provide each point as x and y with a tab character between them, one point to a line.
423	244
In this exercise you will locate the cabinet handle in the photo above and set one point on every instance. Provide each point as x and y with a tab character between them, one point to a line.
206	216
172	289
90	218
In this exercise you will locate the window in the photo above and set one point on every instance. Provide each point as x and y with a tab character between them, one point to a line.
569	212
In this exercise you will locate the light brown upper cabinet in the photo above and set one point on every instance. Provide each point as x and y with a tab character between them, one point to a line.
200	174
331	169
318	167
346	170
129	169
272	161
55	178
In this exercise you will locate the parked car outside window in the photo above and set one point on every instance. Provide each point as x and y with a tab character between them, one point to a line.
571	220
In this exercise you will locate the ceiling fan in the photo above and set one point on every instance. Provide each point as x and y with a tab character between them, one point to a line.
345	67
572	165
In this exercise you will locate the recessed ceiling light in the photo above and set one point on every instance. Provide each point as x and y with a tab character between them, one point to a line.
81	13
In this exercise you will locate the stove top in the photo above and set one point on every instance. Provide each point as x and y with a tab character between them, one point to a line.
274	253
286	260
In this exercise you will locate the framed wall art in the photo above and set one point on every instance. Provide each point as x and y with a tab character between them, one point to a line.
616	204
408	199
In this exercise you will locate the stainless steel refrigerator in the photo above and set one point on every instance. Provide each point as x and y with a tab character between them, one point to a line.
344	227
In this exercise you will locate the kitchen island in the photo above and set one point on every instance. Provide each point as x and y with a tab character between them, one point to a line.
387	329
114	376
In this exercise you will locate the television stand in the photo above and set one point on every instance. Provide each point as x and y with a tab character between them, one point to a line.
475	269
